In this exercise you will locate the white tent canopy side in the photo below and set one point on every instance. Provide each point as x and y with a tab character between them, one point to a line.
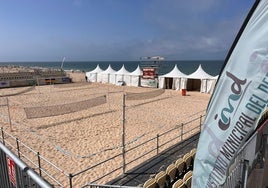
122	75
108	75
94	75
211	84
175	79
135	77
199	80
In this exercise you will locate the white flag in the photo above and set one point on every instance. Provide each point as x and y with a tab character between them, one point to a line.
239	99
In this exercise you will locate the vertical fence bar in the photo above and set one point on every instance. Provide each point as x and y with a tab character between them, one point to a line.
157	144
9	120
38	85
123	133
181	131
200	122
3	136
18	147
245	173
39	163
71	180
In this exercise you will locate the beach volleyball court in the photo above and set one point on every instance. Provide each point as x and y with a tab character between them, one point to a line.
78	125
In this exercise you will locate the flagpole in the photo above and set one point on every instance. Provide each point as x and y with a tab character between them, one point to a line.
61	67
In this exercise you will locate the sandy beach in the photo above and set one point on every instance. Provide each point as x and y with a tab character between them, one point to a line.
77	125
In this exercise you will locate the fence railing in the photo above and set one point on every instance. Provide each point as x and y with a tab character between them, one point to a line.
107	186
152	147
42	166
15	173
245	161
129	155
160	142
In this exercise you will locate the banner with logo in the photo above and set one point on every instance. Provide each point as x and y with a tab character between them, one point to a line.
239	99
11	172
148	73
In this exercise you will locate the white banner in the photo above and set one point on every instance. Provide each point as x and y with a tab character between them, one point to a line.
239	99
149	83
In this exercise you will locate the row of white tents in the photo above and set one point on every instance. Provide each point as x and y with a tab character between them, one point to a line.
114	77
198	80
175	79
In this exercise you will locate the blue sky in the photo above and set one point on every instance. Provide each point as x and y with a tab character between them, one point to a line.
89	30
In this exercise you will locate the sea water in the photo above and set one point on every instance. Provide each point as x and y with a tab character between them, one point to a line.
212	67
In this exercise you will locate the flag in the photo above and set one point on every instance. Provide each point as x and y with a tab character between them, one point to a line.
239	99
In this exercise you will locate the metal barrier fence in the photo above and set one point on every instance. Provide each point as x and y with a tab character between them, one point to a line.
245	161
128	155
153	147
107	186
15	173
161	142
33	159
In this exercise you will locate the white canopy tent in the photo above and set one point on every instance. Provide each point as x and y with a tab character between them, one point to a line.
200	80
94	75
135	77
108	76
211	84
122	75
175	79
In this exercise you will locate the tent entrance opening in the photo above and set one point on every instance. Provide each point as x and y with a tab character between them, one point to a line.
169	83
193	84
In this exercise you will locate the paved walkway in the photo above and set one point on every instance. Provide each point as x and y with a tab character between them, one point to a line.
138	175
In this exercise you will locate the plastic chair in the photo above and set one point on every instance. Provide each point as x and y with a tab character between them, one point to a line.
161	179
193	152
180	164
150	183
179	184
187	178
171	173
188	161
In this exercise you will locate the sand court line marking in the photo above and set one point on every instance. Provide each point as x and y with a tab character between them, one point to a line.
48	111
